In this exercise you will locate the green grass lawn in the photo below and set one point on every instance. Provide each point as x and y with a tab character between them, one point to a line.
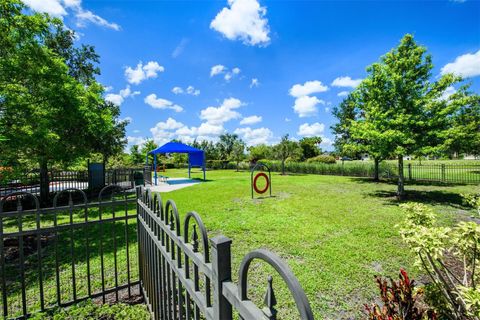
336	233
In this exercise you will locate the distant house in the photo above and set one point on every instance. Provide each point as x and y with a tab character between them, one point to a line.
365	157
470	157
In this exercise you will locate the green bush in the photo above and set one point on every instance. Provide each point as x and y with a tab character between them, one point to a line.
323	158
90	310
449	256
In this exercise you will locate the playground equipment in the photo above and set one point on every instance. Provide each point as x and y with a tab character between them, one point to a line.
254	180
196	157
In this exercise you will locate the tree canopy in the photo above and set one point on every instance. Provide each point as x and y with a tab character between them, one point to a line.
52	108
398	110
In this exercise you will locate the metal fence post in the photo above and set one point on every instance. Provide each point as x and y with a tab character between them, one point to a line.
410	171
222	271
443	172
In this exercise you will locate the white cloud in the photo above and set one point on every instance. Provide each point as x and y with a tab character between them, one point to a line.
343	93
172	129
192	91
225	112
236	70
180	47
326	143
217	69
327	109
288	119
58	8
177	90
136	131
448	92
251	120
254	83
143	72
119	98
52	7
159	103
255	136
307	106
310	130
135	140
467	65
189	90
346	82
244	20
129	119
309	87
86	16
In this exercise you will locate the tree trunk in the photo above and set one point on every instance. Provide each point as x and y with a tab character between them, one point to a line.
376	173
401	179
237	165
283	167
44	184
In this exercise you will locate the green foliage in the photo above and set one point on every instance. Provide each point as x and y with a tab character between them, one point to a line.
260	151
238	152
400	300
90	310
286	149
225	146
449	256
136	156
473	200
322	159
398	110
310	147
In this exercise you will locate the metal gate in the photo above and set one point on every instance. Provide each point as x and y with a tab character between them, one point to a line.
185	275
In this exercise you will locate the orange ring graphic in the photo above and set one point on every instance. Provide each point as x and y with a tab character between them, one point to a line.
261	174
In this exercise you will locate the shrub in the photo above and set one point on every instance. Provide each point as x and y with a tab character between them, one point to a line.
322	159
472	200
400	300
449	256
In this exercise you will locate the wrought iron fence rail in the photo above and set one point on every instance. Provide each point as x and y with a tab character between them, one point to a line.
45	259
197	258
180	272
62	227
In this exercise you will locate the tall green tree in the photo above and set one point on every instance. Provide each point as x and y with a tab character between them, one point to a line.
148	146
260	151
225	146
402	110
136	156
238	151
47	114
286	149
310	147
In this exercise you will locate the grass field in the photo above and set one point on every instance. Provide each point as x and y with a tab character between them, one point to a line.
336	233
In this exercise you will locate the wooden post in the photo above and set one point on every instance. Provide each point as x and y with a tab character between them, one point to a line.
222	271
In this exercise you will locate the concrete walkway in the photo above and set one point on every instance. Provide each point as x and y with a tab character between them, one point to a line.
173	184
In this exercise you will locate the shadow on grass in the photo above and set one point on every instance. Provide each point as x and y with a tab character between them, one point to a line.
394	181
434	197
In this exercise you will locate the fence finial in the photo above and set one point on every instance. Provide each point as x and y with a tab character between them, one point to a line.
195	239
270	301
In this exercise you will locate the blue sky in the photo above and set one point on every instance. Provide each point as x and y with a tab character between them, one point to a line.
261	68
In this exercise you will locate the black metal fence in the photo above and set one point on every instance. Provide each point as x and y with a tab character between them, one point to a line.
67	253
448	173
61	180
185	275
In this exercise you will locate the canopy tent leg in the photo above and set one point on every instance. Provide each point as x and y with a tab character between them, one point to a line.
155	166
189	169
204	174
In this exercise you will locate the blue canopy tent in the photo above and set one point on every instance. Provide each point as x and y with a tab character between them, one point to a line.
196	157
